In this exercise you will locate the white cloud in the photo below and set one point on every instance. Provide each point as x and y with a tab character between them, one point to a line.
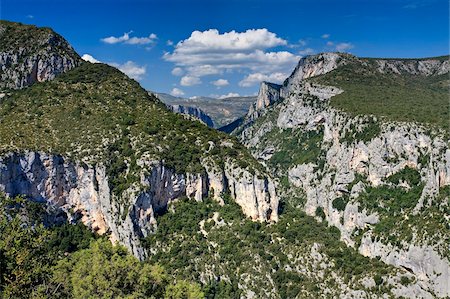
176	92
341	47
210	52
125	38
30	17
87	57
256	78
190	80
220	82
307	51
204	70
213	41
325	36
224	96
178	71
131	69
330	44
169	42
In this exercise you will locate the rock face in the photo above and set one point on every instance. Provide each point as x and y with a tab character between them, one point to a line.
269	93
193	111
29	54
83	192
340	163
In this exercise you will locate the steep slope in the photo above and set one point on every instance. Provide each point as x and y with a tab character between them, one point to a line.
30	54
341	138
222	111
95	144
194	112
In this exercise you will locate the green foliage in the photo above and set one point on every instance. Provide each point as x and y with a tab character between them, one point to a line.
96	114
107	271
241	246
68	261
28	250
398	97
364	131
340	203
320	213
296	147
407	174
184	290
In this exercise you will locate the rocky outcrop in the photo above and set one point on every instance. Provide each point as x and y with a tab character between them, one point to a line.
194	112
40	57
83	192
314	65
268	94
341	161
426	67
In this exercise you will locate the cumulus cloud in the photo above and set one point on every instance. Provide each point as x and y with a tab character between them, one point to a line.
220	82
126	39
87	57
131	69
341	47
256	78
190	80
169	42
178	71
210	52
325	36
176	92
204	70
224	96
213	41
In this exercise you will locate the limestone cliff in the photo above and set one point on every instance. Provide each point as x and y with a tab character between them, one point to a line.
83	192
347	159
268	94
30	54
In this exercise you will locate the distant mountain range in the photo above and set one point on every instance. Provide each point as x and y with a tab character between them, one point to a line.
222	111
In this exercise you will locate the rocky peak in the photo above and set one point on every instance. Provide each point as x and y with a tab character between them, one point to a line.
195	112
268	94
30	54
315	65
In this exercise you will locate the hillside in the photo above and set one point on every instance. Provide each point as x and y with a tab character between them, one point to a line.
222	111
364	144
107	193
94	115
397	89
31	54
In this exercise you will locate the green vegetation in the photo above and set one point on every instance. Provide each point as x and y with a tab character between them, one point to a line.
295	147
364	130
68	261
392	201
203	237
398	97
96	114
15	35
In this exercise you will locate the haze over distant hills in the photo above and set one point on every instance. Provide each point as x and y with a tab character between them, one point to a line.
222	111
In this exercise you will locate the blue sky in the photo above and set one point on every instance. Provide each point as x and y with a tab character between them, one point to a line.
217	48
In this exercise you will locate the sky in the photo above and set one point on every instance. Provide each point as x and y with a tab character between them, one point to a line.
226	48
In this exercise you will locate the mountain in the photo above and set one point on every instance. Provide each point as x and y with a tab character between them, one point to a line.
222	111
95	144
105	192
29	54
364	144
194	112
